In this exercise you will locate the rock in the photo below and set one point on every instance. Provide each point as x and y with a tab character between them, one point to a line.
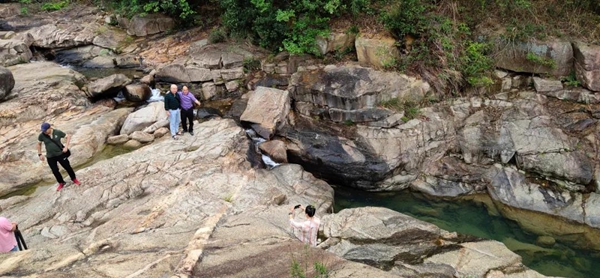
79	55
7	82
137	92
64	35
14	52
128	61
144	117
109	37
9	9
132	144
161	132
545	241
174	73
232	86
117	139
547	57
268	108
378	51
345	94
142	137
222	55
148	79
587	65
156	126
102	62
478	258
208	113
545	85
107	102
275	149
150	24
228	74
108	86
199	74
209	90
336	42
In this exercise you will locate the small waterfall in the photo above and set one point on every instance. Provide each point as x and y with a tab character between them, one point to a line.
120	97
156	96
256	141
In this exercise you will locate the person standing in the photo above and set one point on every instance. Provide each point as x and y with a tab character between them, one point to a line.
8	242
187	109
56	153
172	104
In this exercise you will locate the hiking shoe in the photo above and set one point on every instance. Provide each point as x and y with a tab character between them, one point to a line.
192	133
75	181
175	137
60	186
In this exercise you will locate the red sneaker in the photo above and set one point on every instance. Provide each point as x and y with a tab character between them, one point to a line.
60	186
75	181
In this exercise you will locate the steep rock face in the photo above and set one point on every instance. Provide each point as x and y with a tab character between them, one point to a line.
587	65
64	34
549	57
7	82
266	110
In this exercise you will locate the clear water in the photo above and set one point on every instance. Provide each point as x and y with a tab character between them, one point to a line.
468	217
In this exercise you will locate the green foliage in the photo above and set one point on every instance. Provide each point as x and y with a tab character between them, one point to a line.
217	35
251	64
406	17
25	1
410	108
296	270
571	80
54	6
180	10
349	123
476	63
540	60
24	11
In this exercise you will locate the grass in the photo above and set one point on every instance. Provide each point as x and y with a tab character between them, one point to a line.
300	269
539	60
251	65
54	6
410	108
228	198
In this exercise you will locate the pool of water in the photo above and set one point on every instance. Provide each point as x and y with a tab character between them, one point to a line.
471	218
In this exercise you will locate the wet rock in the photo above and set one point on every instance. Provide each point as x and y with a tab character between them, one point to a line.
137	92
100	62
268	108
546	85
117	139
232	86
587	65
545	241
557	57
378	51
14	52
7	82
142	137
132	144
126	62
108	86
208	113
149	24
174	73
144	117
275	149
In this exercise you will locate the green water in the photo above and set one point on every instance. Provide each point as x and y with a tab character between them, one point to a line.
468	217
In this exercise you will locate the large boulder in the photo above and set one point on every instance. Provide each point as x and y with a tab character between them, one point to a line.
351	93
79	55
412	248
336	42
221	55
7	82
100	62
108	86
150	24
144	117
377	51
14	52
546	57
587	65
266	110
137	92
275	149
109	38
173	73
64	35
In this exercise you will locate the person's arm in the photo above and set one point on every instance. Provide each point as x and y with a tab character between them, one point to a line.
66	148
195	100
166	105
39	151
14	226
294	223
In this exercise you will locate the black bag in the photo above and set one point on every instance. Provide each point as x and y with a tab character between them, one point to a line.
20	239
61	146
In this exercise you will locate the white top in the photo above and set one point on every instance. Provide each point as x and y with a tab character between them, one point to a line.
308	230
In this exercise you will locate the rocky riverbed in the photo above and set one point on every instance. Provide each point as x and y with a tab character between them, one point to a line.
197	207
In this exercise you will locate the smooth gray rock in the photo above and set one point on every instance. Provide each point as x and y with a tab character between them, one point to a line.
108	86
137	92
587	65
174	73
268	108
149	24
546	85
117	139
549	57
14	52
7	82
143	118
142	137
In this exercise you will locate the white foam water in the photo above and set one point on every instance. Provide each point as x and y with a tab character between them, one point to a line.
156	96
269	162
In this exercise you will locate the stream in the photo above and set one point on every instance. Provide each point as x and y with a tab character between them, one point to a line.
470	218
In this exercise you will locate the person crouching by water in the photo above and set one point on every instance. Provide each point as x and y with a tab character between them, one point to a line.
308	228
172	103
56	153
8	242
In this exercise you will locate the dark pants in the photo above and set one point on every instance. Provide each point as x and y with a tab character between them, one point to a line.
64	162
187	114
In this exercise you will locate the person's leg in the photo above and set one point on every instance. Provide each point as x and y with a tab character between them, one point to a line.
184	120
190	117
178	119
52	162
64	162
173	126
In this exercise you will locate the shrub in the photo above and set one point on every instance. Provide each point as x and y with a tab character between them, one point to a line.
217	35
251	64
407	17
54	6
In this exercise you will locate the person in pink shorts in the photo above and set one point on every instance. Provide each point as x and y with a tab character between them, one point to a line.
8	242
